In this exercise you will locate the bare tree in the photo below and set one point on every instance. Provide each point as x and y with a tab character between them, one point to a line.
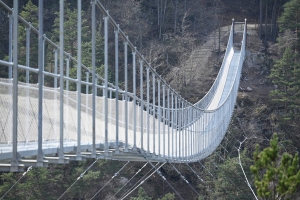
175	15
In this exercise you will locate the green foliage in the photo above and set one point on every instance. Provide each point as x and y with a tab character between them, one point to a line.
70	30
169	196
142	195
286	75
50	183
290	17
30	14
275	177
70	39
228	182
7	180
70	42
35	185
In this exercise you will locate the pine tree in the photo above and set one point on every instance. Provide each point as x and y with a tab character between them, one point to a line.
290	18
142	195
275	176
70	30
168	196
70	42
230	182
8	180
30	14
285	74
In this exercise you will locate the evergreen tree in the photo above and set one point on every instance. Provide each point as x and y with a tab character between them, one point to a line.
70	42
169	196
276	177
285	73
290	18
37	183
70	30
142	195
224	179
7	180
30	14
230	182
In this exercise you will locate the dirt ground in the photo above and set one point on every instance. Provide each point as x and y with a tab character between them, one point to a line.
194	76
254	79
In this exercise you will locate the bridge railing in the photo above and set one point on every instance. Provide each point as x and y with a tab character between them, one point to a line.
205	101
220	119
75	112
226	108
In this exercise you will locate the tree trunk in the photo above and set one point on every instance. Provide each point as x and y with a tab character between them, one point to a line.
164	15
260	18
157	12
273	25
266	21
175	15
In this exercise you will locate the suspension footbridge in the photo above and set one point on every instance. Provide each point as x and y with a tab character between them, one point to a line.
142	119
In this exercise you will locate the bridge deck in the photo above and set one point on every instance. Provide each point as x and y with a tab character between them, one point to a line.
154	123
51	126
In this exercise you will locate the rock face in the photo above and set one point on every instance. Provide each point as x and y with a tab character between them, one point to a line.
256	68
256	60
253	97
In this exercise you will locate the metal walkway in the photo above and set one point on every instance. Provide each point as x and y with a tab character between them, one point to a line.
147	121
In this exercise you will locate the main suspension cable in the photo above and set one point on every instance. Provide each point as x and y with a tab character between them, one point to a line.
79	177
115	175
28	170
232	144
139	180
129	180
184	179
240	163
142	181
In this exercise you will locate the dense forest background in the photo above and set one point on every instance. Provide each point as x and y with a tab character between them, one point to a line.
165	31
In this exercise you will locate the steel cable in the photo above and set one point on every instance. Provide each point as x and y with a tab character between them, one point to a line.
184	179
28	170
240	163
129	180
195	173
160	174
226	178
79	177
139	180
116	174
156	169
231	142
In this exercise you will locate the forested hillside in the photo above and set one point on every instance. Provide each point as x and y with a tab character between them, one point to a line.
264	130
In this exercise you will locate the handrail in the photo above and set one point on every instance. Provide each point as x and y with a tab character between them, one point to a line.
28	24
169	120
